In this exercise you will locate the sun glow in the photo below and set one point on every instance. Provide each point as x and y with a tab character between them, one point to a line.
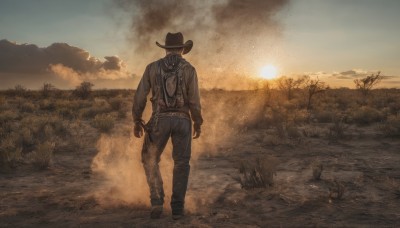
269	72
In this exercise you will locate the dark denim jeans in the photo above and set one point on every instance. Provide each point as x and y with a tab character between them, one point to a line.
180	131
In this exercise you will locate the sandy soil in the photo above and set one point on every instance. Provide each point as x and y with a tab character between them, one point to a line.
366	165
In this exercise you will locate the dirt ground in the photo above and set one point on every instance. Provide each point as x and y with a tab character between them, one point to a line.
364	164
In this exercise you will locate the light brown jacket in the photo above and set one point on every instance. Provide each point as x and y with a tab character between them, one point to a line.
148	82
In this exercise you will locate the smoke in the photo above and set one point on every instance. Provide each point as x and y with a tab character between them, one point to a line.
231	38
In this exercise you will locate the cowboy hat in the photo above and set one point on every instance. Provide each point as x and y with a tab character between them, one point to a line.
175	40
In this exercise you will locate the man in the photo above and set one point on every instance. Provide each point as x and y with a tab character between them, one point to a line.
175	102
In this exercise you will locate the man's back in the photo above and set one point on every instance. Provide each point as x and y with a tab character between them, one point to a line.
151	81
175	101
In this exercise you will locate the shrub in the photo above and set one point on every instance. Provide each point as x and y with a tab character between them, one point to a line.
338	129
66	113
26	139
366	115
3	104
121	114
324	116
89	113
116	103
18	91
84	90
103	122
258	173
10	153
47	89
317	169
27	107
42	156
8	116
46	127
391	128
47	105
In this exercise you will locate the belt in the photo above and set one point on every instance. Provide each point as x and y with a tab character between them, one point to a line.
173	114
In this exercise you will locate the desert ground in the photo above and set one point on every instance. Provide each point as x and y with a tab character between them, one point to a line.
264	159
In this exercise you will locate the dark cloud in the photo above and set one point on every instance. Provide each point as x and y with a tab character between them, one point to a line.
112	63
69	63
349	72
31	59
342	77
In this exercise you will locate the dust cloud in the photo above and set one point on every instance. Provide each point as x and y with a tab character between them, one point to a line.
223	31
232	38
119	154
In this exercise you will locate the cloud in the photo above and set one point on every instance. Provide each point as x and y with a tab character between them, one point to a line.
70	63
346	78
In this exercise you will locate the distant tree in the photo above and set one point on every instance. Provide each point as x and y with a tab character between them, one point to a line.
18	91
288	85
47	89
313	86
365	85
84	90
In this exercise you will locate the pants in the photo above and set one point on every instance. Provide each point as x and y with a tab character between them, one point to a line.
179	129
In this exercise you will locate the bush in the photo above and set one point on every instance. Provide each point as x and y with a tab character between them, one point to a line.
391	128
84	90
27	107
116	103
258	173
367	115
8	116
89	113
46	127
18	91
324	116
47	105
42	156
47	90
3	104
338	129
66	113
103	122
10	153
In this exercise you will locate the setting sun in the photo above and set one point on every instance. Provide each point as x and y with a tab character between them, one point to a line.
269	72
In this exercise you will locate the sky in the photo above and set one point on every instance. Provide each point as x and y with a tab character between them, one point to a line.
336	40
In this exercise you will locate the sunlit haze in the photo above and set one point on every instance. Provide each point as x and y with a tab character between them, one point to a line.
269	72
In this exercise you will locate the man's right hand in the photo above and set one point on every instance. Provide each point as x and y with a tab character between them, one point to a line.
196	131
138	130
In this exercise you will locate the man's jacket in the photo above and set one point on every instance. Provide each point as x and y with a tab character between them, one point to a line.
148	82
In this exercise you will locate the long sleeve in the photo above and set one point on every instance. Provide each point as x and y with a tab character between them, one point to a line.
140	98
194	97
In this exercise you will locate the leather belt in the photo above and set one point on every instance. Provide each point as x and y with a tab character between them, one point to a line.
172	114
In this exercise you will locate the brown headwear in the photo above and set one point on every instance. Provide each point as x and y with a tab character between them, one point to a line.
175	40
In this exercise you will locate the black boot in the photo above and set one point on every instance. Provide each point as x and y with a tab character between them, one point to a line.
156	211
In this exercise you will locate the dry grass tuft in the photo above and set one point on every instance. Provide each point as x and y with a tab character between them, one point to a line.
42	156
317	169
104	122
391	128
336	190
258	173
10	152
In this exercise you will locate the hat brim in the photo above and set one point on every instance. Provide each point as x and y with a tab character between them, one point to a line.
187	46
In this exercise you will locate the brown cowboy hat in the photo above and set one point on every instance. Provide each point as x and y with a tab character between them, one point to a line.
175	40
